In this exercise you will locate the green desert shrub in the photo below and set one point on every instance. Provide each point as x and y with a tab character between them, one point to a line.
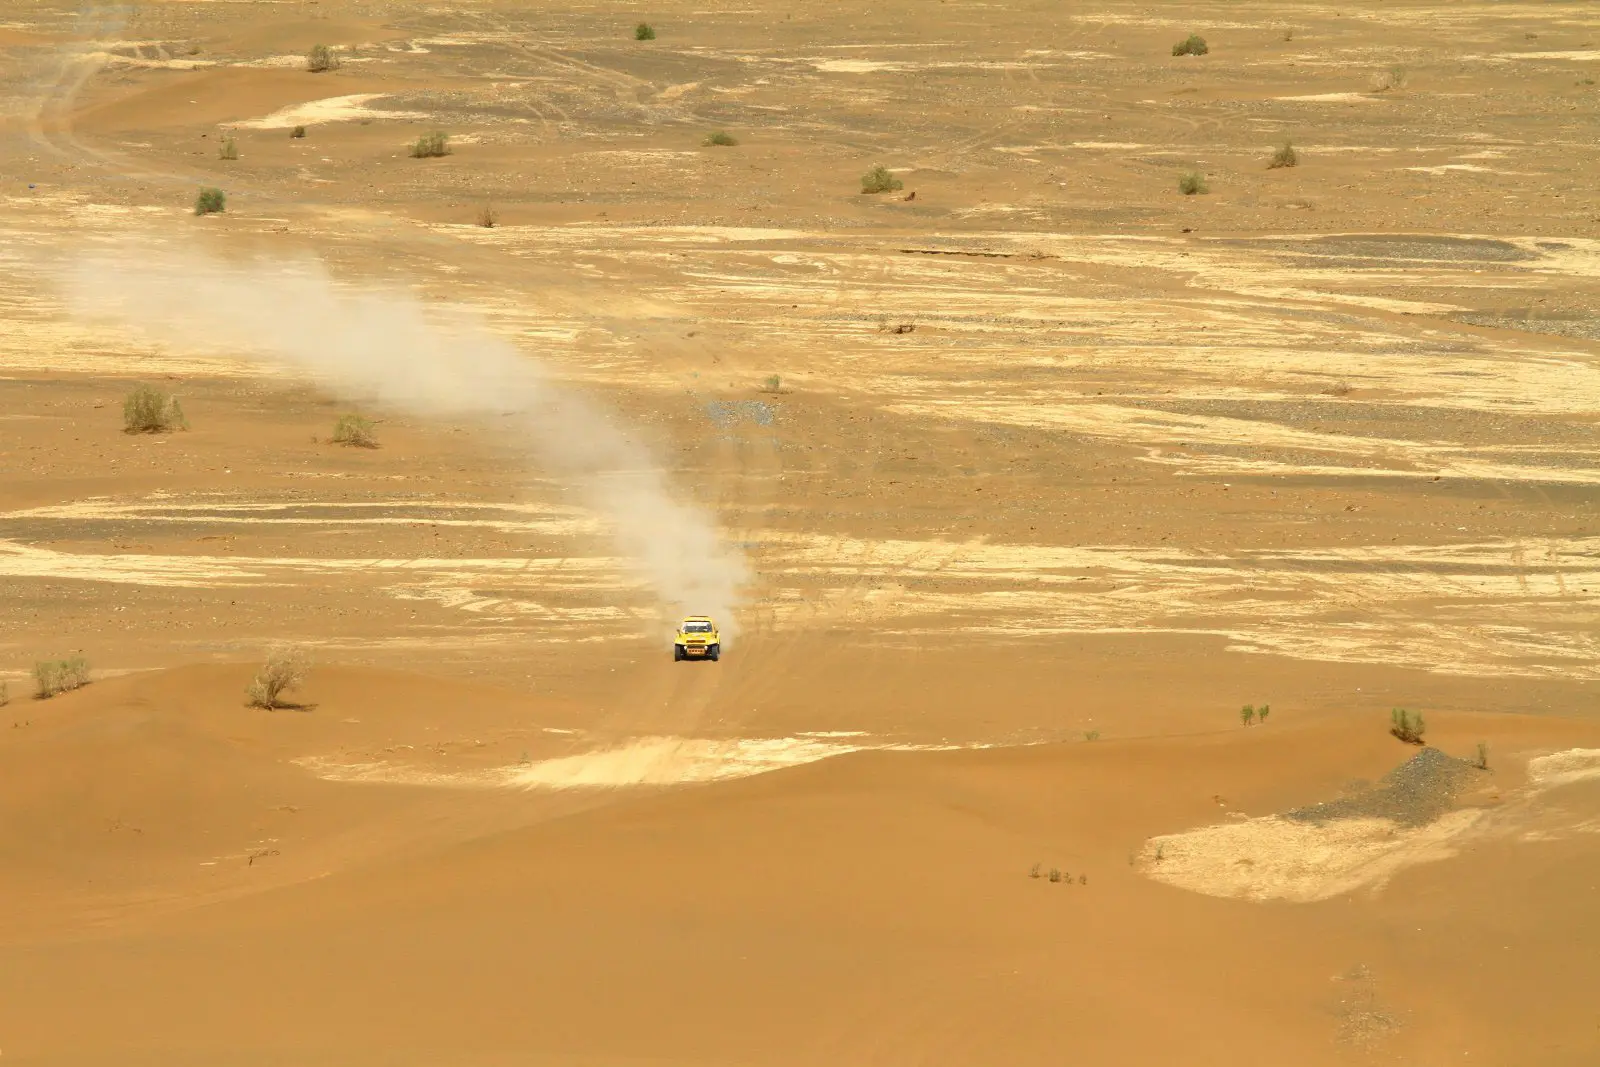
354	430
1192	183
1192	45
879	180
1262	712
210	201
321	58
286	667
722	139
1284	157
229	149
1407	726
149	410
1247	715
54	676
431	145
644	32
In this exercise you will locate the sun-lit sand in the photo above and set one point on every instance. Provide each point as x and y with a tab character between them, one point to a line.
1011	485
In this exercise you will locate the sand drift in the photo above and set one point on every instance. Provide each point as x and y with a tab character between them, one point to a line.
389	350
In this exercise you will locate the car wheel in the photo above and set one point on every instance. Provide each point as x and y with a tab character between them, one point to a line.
677	653
715	652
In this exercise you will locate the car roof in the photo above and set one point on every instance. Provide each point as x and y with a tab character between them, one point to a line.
697	618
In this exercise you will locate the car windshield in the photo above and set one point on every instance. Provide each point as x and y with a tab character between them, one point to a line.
697	627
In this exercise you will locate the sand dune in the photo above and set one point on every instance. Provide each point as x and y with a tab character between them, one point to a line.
1019	479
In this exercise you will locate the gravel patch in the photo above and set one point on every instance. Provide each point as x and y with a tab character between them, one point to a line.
1413	794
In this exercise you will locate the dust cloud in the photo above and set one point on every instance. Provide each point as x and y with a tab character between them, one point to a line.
396	352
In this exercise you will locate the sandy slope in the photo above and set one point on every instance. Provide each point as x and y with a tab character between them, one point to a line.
875	906
1053	452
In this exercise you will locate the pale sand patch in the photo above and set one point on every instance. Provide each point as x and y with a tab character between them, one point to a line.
1330	98
1275	858
854	66
274	62
120	60
1445	168
1580	56
646	761
330	109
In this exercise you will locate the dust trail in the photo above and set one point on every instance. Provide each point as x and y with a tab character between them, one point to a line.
391	349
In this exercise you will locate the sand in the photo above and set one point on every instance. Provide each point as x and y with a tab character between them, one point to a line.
1040	474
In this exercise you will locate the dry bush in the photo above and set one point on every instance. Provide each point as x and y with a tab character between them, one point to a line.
487	217
1407	726
5	693
644	32
286	667
879	180
229	149
54	676
773	384
1339	389
355	431
431	145
1482	762
321	58
1393	78
297	133
149	410
1192	45
210	201
1284	157
1192	183
721	139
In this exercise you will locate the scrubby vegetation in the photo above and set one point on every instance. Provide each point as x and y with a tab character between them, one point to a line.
54	676
1393	78
1284	157
229	149
285	668
1247	715
772	384
297	132
321	58
644	32
149	410
431	145
879	180
721	139
1262	712
1407	726
210	201
487	217
1482	762
1192	45
1192	183
354	430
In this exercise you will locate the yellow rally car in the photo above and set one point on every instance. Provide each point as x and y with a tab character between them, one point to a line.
697	639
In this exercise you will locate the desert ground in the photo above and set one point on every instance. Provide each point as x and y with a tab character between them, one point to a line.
1010	485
